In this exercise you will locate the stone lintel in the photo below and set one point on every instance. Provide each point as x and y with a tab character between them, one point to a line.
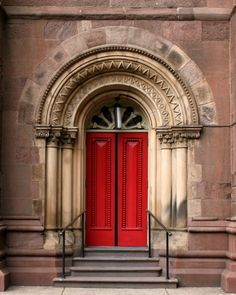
92	13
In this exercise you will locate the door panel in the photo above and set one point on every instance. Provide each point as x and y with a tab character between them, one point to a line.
132	189
100	192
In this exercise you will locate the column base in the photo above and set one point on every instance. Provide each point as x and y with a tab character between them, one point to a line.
228	277
51	240
4	280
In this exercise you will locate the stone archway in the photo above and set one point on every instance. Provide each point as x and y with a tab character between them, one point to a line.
92	77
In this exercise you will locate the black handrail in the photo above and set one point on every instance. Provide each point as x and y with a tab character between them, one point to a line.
168	234
62	233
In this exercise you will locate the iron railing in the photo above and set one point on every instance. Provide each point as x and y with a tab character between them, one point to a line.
168	234
63	235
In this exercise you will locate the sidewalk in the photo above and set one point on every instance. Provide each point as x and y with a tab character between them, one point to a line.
88	291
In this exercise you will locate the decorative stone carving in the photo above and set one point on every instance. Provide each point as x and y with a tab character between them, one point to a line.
157	82
42	131
125	64
178	135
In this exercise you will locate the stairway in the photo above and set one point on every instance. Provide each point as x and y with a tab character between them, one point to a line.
116	267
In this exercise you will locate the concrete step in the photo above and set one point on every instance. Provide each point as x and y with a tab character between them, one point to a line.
116	282
120	261
116	271
116	252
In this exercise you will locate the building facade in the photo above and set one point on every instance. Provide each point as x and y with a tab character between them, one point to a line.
115	107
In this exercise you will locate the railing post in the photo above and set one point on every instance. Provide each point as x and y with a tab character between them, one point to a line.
167	255
149	236
63	253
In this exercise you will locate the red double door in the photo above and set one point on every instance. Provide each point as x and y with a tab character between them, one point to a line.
116	189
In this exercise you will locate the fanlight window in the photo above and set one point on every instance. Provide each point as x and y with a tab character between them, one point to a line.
117	117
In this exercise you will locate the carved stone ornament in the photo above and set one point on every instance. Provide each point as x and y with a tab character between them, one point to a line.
178	136
56	134
138	68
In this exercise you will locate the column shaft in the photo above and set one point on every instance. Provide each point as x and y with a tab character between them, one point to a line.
51	188
166	186
181	187
66	185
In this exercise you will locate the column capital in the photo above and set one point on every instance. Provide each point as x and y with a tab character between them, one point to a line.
178	135
69	136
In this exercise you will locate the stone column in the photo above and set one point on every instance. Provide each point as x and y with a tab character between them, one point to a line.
52	188
181	183
166	178
67	180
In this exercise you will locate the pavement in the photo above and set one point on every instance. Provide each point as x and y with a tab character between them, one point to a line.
88	291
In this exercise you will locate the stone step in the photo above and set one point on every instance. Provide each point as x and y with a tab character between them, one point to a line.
116	282
116	252
116	271
121	261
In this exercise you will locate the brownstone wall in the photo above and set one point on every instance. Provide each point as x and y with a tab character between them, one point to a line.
209	41
30	41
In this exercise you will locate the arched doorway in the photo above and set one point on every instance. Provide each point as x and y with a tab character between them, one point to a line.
81	90
116	177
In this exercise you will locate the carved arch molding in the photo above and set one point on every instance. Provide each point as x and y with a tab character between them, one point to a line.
81	85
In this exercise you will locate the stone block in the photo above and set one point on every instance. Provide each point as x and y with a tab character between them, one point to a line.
26	113
85	26
60	30
191	73
23	30
148	41
194	208
177	58
216	208
117	35
24	240
153	26
215	161
215	30
37	209
202	93
75	45
220	3
208	241
12	91
95	38
207	113
182	31
207	190
16	206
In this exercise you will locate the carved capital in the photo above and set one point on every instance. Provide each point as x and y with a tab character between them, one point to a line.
69	136
178	136
54	136
42	131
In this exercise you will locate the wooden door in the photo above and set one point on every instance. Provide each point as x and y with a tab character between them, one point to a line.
132	189
116	194
100	189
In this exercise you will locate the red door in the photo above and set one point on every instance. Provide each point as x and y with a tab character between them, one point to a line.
116	194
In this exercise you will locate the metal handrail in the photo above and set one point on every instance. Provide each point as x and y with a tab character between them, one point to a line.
168	234
62	233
